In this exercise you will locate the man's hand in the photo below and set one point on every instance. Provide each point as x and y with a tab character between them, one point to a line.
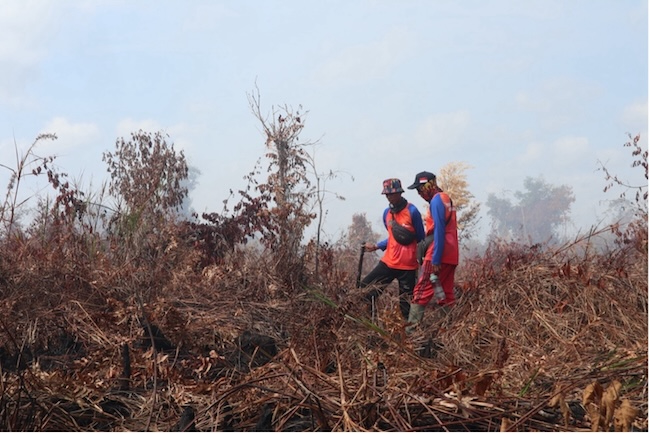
370	247
436	269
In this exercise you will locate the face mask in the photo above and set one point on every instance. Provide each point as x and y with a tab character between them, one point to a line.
400	205
428	190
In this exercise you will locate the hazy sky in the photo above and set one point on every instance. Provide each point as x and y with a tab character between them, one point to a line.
512	88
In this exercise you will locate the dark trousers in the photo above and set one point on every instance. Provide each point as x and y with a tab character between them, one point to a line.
381	276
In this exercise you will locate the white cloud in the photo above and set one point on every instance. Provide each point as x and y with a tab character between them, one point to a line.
23	30
639	16
567	151
563	152
26	29
526	101
207	15
127	126
361	62
635	116
179	134
532	154
442	130
69	135
558	101
29	30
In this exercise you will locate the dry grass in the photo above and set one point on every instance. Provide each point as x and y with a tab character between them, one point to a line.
533	332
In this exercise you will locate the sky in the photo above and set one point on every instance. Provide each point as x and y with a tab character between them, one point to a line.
514	89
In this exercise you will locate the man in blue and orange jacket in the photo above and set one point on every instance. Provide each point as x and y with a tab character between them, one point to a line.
403	222
441	256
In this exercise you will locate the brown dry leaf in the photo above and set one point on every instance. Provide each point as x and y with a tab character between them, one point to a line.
558	401
505	424
482	385
459	383
594	416
593	393
566	413
609	401
624	416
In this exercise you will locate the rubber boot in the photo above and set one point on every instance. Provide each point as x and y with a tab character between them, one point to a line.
416	313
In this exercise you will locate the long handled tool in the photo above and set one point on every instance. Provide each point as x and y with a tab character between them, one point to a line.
363	249
372	301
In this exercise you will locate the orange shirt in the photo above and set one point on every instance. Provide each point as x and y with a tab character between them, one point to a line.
396	255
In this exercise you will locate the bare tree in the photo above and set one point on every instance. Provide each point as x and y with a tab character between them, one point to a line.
320	192
360	231
27	164
640	160
148	181
287	184
632	224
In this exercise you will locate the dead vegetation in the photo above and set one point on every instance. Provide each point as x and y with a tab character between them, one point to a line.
541	339
132	321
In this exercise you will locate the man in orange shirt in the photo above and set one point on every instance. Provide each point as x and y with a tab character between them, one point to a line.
441	258
403	222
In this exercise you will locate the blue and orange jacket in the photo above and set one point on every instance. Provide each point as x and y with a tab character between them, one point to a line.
440	220
396	255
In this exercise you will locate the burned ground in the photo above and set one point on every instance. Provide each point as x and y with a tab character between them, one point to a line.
540	339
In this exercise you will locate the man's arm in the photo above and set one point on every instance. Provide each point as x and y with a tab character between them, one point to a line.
437	208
